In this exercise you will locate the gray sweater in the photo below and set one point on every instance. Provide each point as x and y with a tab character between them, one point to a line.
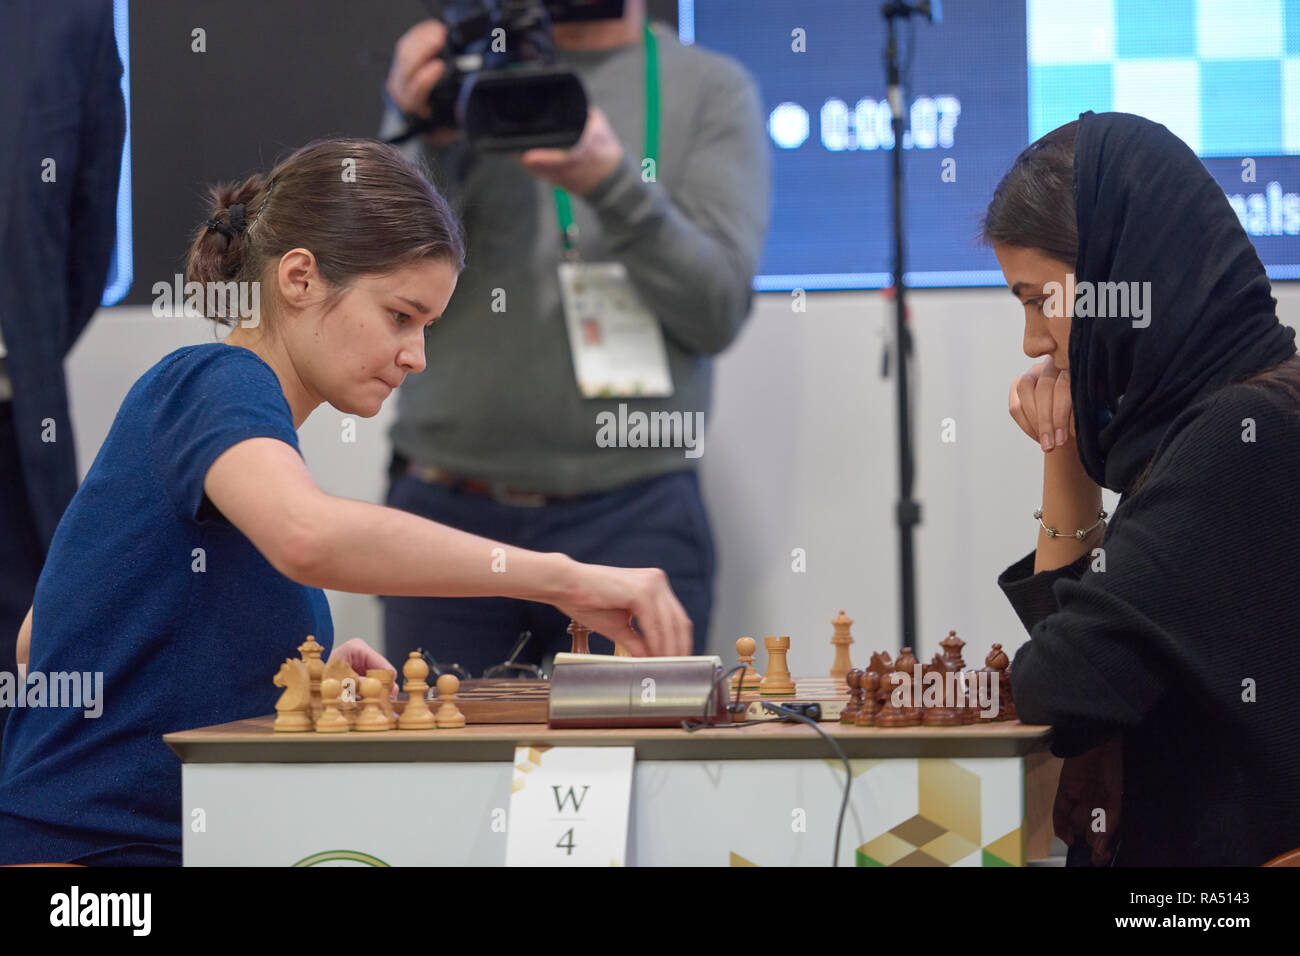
498	400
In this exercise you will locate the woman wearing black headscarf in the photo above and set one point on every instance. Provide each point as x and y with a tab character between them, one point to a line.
1162	645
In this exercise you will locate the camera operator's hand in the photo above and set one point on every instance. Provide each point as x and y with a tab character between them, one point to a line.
416	70
593	157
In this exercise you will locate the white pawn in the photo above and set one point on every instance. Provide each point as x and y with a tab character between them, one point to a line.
449	715
372	715
331	720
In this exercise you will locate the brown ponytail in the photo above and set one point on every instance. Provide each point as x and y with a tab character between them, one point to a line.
359	205
218	257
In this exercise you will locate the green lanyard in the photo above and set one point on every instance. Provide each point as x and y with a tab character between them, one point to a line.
563	206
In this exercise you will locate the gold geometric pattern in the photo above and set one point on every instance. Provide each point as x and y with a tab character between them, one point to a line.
946	827
918	859
950	848
1010	847
917	831
950	796
887	849
529	760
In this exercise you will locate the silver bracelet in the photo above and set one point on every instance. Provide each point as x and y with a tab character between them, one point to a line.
1080	534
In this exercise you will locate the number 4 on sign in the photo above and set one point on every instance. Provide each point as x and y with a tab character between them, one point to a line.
567	847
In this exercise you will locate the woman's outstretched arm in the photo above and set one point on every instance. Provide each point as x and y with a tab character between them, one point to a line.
262	486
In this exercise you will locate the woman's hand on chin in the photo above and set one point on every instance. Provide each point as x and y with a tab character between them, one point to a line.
1040	404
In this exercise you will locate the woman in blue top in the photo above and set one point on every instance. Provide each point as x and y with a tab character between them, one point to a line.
190	563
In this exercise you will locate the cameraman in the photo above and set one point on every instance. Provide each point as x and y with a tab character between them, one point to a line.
497	436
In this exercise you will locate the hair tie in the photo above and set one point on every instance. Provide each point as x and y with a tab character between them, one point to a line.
222	228
236	215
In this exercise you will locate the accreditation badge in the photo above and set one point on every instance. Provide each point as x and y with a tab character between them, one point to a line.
616	342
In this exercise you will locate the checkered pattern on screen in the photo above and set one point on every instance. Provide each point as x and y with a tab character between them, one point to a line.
1223	75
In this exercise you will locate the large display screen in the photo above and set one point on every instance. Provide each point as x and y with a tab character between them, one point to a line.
993	76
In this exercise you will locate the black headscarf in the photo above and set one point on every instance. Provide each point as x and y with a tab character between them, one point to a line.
1149	211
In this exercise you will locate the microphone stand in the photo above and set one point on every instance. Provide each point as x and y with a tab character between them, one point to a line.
907	511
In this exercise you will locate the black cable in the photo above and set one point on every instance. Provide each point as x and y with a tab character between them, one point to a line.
785	714
848	770
708	701
691	728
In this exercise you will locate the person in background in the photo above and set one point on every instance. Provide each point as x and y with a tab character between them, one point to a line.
62	122
500	438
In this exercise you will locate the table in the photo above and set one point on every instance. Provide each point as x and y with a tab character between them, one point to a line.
764	795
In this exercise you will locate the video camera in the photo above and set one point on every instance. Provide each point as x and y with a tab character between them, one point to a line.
501	85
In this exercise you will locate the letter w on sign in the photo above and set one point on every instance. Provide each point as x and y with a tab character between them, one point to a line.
576	800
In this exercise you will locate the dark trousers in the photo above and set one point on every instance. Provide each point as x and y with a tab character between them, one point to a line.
659	522
21	554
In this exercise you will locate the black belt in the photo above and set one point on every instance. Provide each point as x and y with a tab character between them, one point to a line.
502	494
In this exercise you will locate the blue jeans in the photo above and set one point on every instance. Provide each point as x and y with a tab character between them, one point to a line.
659	522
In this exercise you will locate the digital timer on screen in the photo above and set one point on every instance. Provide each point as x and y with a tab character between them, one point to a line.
1224	75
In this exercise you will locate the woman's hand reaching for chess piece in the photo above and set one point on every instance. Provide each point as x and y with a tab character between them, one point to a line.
607	600
361	657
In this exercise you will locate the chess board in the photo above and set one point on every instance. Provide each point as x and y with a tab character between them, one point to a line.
500	700
526	701
832	693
